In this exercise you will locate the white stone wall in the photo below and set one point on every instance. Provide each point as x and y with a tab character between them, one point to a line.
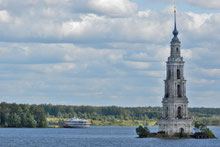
173	126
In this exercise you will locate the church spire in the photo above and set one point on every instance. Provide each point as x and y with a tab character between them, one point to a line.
175	32
175	103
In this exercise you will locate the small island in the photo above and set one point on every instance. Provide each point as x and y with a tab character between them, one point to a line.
201	132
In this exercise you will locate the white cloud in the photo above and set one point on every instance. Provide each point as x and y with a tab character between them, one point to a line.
140	56
36	53
211	72
201	82
88	26
114	58
162	52
4	16
198	22
49	12
156	74
54	68
156	90
54	2
186	53
138	65
113	7
52	24
213	4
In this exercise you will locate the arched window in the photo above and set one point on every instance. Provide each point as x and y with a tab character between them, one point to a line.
179	91
166	112
179	113
177	49
168	74
178	74
167	92
181	130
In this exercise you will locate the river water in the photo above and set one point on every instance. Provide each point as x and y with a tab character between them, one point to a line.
107	136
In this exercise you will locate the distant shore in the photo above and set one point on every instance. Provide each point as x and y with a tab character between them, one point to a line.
59	122
14	115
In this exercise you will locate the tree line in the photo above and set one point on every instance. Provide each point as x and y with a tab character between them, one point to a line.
136	113
24	115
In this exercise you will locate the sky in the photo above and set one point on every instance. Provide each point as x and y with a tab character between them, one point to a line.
106	52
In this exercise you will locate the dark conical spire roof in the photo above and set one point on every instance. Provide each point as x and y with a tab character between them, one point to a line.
175	32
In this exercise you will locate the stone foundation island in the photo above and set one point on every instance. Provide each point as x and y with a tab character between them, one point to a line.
201	132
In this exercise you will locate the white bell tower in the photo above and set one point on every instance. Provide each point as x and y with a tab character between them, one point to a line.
175	103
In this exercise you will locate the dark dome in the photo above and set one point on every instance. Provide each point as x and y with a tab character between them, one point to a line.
175	32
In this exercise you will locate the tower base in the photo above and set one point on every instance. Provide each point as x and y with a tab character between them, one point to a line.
173	126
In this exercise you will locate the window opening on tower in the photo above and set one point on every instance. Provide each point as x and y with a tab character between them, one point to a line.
179	113
167	92
167	112
179	91
168	74
178	74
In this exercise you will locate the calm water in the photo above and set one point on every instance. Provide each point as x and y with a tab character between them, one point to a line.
95	137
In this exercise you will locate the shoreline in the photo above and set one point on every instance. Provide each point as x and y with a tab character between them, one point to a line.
57	126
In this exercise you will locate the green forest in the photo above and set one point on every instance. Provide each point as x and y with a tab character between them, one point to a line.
24	115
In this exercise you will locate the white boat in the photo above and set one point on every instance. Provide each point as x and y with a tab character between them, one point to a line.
76	123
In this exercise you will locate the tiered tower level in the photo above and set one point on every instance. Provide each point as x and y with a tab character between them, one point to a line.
175	103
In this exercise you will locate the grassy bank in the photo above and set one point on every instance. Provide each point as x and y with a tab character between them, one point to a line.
122	123
54	121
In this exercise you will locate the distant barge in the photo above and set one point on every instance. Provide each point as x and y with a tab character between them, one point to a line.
76	123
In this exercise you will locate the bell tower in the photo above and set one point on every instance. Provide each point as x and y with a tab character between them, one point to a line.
175	103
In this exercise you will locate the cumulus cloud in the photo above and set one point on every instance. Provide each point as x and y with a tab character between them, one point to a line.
187	54
140	56
4	16
138	65
36	53
54	68
201	82
109	50
49	23
213	4
152	73
211	72
113	7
